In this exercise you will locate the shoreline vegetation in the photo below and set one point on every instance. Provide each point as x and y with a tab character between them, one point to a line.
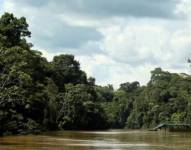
37	95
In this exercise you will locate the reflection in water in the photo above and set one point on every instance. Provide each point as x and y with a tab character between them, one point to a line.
114	139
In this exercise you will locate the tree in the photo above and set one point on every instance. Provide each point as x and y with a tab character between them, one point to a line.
105	93
129	87
13	31
23	76
65	69
79	110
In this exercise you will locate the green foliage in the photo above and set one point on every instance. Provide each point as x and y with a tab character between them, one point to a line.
165	99
104	93
79	110
13	31
119	108
37	95
65	69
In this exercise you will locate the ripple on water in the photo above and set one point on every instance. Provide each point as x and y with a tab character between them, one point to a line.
102	140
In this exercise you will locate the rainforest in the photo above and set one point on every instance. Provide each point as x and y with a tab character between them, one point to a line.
37	95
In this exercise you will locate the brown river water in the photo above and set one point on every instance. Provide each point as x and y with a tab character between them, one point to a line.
102	140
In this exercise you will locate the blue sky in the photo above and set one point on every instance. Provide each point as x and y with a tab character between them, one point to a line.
115	41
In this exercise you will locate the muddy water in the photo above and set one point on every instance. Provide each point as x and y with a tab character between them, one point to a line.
103	140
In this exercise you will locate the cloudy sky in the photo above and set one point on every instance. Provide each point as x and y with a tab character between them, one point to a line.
115	40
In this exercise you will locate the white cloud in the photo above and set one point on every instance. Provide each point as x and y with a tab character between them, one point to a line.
109	71
131	49
183	8
148	42
134	43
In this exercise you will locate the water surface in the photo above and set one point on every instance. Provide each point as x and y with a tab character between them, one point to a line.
103	140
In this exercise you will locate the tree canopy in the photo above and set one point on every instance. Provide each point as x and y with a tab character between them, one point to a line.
37	95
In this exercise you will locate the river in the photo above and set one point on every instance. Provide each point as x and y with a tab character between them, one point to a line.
103	140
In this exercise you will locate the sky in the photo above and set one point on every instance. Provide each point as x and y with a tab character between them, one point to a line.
115	41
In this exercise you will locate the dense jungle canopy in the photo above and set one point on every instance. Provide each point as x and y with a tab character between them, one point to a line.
37	95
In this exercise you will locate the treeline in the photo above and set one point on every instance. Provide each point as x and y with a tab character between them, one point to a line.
165	99
37	95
